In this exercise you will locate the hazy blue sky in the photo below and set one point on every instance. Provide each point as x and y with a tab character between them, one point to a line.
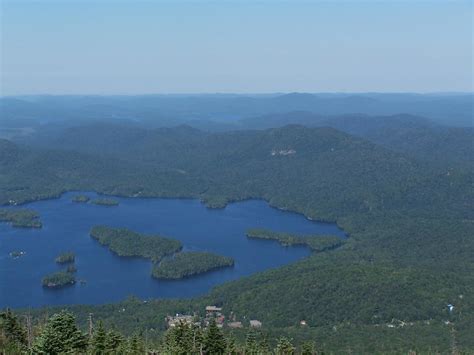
130	46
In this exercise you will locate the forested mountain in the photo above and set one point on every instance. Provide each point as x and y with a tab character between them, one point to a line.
409	221
163	110
229	166
44	120
417	136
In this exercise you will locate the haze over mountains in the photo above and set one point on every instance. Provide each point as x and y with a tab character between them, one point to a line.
436	127
451	109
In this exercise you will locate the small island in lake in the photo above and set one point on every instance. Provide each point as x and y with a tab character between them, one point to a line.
188	264
80	199
17	254
64	258
124	242
58	279
317	243
22	218
105	202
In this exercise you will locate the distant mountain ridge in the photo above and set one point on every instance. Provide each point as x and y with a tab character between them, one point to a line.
454	110
415	135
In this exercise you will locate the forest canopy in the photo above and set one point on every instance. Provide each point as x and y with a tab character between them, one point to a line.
187	264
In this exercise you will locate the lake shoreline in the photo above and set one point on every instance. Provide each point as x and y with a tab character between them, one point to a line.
219	231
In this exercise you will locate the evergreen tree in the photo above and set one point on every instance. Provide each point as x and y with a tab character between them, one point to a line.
263	346
284	347
308	348
181	339
198	340
9	339
98	340
113	341
123	347
251	346
231	348
60	335
11	329
136	346
214	341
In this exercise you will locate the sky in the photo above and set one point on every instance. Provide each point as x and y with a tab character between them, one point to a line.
240	46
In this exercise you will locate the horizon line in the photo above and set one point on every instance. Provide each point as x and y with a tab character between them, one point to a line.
249	93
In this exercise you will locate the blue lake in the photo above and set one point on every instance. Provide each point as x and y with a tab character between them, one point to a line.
111	278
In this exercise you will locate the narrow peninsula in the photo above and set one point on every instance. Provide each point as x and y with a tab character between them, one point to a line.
189	264
317	243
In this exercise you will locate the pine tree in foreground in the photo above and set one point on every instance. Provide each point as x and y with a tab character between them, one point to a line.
181	339
308	348
136	346
214	341
13	339
98	341
251	346
231	348
264	346
113	341
60	335
284	347
11	328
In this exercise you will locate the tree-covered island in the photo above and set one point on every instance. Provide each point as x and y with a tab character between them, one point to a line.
80	199
108	202
58	279
65	258
188	264
124	242
317	243
23	218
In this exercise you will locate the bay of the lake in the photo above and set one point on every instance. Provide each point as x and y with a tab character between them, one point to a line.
110	278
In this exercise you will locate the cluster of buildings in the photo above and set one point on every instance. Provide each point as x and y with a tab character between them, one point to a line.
173	321
212	312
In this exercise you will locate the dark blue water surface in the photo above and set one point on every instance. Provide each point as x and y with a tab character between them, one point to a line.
111	278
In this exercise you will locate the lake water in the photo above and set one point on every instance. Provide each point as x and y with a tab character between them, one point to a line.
111	278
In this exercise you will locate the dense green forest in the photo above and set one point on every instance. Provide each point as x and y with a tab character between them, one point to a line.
414	135
188	264
125	242
21	218
58	279
66	257
409	222
317	243
59	334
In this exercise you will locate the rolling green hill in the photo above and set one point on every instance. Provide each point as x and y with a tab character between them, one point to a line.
417	136
409	221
